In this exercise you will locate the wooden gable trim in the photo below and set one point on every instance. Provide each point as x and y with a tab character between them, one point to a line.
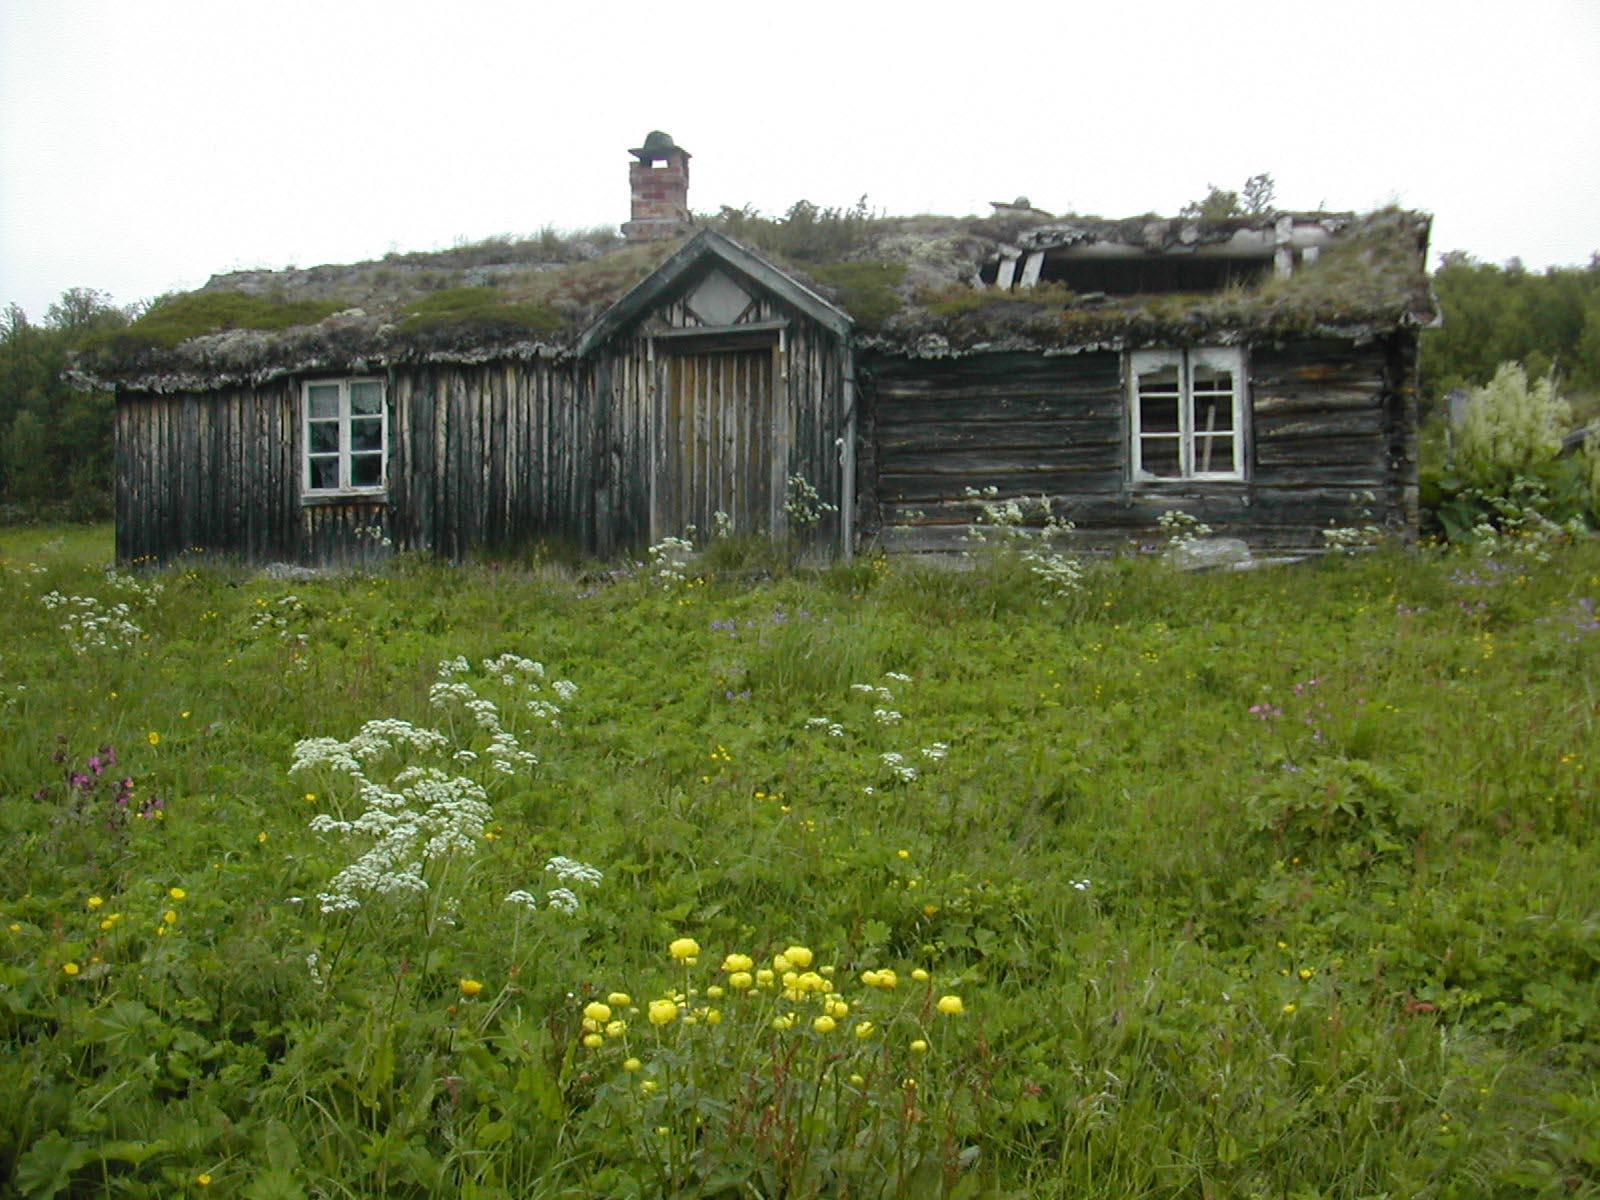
709	244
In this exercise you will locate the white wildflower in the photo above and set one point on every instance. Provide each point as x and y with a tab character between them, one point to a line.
563	900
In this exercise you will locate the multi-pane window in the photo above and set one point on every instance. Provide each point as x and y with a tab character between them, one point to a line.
1187	413
346	435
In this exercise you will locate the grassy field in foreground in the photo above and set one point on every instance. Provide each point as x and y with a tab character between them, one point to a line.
1280	884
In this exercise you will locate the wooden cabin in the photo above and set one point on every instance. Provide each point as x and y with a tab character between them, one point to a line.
1257	372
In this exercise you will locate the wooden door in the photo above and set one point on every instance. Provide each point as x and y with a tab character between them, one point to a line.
718	433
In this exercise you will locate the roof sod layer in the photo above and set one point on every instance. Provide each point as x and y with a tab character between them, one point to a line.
913	285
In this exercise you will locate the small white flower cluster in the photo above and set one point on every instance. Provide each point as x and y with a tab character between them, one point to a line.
373	533
803	504
424	813
669	560
898	767
1181	528
883	694
563	899
426	816
1027	526
1341	539
138	589
279	617
93	625
833	728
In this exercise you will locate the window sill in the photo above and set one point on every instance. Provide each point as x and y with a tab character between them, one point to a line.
1157	482
379	498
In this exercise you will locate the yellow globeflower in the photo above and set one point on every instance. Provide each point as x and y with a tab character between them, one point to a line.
1289	1009
740	980
177	893
1306	972
781	964
714	992
597	1012
824	1024
919	1047
684	948
619	999
593	1041
615	1029
857	1081
631	1064
810	981
70	968
470	988
786	1021
648	1086
950	1005
95	902
203	1179
170	916
888	980
765	977
713	1016
920	975
798	956
663	1012
870	978
864	1029
836	1008
737	962
153	738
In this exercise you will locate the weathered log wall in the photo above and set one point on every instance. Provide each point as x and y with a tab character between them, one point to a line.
1331	441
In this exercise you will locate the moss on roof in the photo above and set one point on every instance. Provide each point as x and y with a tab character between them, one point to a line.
912	284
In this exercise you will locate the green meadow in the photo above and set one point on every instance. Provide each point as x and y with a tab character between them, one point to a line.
516	879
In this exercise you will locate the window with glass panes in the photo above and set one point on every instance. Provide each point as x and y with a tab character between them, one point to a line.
1187	413
346	435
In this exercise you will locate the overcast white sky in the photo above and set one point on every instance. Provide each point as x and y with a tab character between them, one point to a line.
145	144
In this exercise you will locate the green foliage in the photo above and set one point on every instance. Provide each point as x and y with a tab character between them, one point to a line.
176	319
805	234
480	307
1502	474
1244	880
55	441
1547	320
866	290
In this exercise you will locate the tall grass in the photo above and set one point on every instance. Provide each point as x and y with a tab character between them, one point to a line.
1281	884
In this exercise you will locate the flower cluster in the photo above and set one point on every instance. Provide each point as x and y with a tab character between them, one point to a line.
284	617
424	812
92	624
1026	527
791	992
562	898
669	560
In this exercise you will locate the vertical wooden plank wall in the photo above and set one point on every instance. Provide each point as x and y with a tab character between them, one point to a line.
212	473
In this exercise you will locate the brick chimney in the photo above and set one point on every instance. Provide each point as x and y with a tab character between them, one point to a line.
658	179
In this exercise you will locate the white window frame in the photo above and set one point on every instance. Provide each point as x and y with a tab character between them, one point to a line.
344	417
1229	359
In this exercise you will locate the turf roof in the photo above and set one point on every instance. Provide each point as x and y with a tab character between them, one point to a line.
911	284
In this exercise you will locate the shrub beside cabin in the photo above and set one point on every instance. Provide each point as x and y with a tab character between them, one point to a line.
1258	372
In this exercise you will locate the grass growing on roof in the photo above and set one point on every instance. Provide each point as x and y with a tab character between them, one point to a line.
178	318
482	307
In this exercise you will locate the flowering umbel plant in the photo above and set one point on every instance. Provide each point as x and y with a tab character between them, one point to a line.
426	791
